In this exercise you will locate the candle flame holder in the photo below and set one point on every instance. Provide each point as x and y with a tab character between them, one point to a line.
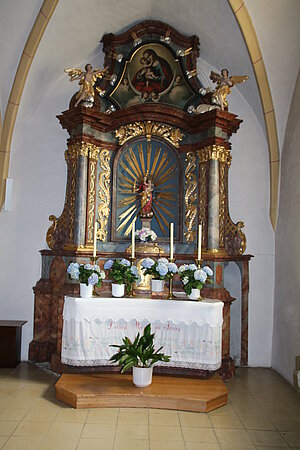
131	294
171	295
198	263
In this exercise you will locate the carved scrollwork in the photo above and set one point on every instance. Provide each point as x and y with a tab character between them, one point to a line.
190	197
104	195
235	241
215	152
149	129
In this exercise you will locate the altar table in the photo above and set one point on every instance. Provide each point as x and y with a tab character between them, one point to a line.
190	332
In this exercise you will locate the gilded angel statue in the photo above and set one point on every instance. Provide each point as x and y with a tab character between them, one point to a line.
87	80
224	83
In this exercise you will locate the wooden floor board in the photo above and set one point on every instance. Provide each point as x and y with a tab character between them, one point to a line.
116	390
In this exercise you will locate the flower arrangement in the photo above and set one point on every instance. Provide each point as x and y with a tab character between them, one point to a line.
146	235
161	269
86	273
193	277
122	272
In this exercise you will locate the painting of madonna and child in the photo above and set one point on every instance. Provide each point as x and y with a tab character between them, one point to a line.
152	75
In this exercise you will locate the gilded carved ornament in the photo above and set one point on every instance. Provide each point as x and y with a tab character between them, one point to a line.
190	197
215	152
149	129
104	195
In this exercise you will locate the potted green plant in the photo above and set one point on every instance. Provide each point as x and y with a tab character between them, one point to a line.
88	276
193	279
160	270
123	274
140	355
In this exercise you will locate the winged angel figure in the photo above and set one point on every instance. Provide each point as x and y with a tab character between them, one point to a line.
87	80
224	83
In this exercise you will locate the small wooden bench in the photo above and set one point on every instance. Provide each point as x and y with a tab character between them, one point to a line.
10	339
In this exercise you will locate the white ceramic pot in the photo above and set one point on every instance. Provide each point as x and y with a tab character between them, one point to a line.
142	376
86	291
118	290
157	285
195	294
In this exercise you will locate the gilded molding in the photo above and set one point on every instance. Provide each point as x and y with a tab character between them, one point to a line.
104	195
83	149
149	129
91	200
202	201
215	152
190	197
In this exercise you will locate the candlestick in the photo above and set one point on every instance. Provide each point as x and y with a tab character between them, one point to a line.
131	292
95	240
199	241
171	295
171	240
133	238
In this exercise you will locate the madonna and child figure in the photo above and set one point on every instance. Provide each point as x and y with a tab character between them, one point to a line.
146	192
154	77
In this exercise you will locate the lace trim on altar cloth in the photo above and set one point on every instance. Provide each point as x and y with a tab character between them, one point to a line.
181	364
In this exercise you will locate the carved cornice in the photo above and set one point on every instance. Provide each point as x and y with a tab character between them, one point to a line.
214	152
149	129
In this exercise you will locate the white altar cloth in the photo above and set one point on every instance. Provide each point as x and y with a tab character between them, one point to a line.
190	332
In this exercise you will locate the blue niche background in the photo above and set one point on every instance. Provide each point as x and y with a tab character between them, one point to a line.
160	161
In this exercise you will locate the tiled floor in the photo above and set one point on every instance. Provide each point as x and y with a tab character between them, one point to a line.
263	413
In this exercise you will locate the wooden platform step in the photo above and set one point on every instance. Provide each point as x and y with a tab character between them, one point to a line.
117	391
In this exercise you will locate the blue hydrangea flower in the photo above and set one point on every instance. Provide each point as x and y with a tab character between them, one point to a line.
183	268
162	261
108	264
97	268
162	269
102	274
93	279
134	270
185	280
172	268
208	271
88	267
192	267
73	271
139	279
125	262
200	275
147	263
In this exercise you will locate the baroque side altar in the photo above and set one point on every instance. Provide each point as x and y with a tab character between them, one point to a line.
148	142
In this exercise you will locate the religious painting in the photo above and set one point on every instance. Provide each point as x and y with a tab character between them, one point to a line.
147	187
152	75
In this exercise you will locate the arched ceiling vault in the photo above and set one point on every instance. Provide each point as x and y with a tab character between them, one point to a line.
240	11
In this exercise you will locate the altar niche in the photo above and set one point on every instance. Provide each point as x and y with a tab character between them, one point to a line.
146	140
147	181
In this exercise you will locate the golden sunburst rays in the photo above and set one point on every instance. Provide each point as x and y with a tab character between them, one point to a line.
160	169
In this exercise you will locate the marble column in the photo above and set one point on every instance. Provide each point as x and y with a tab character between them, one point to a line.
213	206
80	200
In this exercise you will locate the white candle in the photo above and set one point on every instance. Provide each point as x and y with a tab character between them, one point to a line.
199	241
171	240
133	238
95	239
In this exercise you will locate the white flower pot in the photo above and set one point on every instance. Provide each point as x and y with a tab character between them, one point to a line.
118	290
142	376
157	285
195	294
86	291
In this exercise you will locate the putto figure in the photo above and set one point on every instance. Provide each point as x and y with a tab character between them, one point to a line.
224	83
87	80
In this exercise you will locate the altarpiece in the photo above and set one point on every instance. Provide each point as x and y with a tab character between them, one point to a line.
146	121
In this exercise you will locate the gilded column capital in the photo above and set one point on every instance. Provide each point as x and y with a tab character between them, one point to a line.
82	149
214	152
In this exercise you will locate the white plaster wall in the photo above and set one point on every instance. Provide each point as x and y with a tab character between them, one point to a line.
39	172
276	23
286	336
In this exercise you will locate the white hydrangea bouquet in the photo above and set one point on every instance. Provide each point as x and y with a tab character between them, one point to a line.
146	235
161	269
87	274
193	277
